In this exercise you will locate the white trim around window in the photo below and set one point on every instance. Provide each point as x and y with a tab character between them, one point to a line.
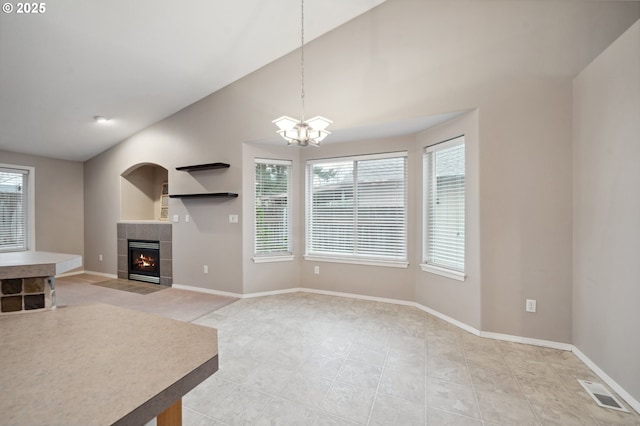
444	182
24	217
271	259
272	210
356	209
449	273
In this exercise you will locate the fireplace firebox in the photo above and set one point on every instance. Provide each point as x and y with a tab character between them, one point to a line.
144	261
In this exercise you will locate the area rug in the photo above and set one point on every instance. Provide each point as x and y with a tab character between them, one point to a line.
131	286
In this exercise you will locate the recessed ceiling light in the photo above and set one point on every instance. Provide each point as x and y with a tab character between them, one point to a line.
100	119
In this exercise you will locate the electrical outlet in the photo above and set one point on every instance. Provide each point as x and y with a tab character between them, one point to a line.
531	305
316	270
205	269
187	218
176	218
233	218
100	258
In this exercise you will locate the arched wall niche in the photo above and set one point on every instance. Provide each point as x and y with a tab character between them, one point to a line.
141	192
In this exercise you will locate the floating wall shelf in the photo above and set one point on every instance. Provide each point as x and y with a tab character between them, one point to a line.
206	195
209	166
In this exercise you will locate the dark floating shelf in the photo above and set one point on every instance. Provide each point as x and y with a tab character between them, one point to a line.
206	195
209	166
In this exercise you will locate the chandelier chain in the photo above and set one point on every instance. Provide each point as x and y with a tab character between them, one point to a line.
302	58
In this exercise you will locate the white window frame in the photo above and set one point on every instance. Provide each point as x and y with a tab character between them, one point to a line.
273	256
30	221
426	265
355	258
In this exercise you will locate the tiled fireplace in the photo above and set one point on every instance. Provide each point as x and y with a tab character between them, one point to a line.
145	232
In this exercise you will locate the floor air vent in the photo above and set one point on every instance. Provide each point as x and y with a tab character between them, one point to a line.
602	396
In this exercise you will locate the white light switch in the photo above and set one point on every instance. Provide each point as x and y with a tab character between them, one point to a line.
187	218
176	218
233	218
531	305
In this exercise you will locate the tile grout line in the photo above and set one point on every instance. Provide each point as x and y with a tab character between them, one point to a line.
573	395
473	385
335	381
318	409
425	409
377	391
533	411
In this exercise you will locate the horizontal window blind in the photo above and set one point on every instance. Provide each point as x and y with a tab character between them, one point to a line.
13	209
444	185
356	207
272	208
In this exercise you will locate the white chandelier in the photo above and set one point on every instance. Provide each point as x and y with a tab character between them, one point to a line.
303	132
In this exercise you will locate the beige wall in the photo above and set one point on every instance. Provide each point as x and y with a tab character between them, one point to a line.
136	195
513	61
208	239
140	192
59	209
525	209
606	230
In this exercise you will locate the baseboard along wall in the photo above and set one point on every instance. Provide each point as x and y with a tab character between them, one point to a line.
635	404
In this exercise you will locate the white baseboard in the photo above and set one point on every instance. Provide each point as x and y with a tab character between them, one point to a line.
102	274
485	334
236	295
435	313
270	293
207	291
357	296
70	274
527	341
634	403
453	321
292	290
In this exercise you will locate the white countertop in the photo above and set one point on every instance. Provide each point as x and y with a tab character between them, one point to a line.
56	263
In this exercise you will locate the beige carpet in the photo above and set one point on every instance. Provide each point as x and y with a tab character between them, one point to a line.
169	302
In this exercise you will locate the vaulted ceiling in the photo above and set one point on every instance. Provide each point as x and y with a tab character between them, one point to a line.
135	62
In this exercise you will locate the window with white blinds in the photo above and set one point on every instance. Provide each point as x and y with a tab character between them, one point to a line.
357	209
444	196
13	209
272	208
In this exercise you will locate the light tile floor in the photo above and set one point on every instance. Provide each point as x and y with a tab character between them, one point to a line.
308	359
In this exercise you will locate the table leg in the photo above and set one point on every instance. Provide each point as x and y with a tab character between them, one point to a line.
52	291
172	416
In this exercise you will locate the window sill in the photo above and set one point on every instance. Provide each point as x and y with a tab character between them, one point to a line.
369	262
449	273
269	259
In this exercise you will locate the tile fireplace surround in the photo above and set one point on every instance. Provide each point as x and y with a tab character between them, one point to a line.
141	230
